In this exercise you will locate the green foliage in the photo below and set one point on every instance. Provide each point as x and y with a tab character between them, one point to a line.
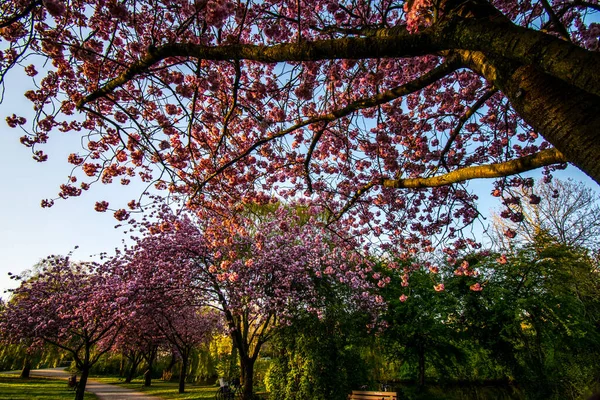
318	359
12	356
422	328
538	317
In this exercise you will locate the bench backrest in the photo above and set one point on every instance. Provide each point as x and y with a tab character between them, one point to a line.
362	395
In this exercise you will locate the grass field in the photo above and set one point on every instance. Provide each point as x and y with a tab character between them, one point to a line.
14	388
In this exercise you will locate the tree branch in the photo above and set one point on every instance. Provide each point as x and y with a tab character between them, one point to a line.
387	96
512	167
18	16
556	57
395	42
461	122
558	26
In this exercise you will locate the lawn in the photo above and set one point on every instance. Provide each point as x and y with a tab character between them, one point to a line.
14	388
166	390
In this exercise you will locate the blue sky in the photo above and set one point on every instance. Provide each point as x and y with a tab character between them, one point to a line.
30	233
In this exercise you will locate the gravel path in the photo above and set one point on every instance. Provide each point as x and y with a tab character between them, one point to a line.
102	390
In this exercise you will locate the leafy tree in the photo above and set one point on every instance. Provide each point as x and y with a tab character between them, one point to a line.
186	328
319	358
422	331
566	212
534	320
71	306
140	340
362	104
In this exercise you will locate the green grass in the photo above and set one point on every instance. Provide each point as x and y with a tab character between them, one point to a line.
165	390
14	388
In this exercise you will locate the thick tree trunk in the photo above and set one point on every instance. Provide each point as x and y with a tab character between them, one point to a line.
26	367
85	371
182	373
148	376
566	116
247	371
135	362
149	357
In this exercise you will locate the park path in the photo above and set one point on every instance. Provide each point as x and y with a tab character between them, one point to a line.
102	390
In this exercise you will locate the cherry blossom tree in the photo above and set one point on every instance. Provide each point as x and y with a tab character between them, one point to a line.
258	272
187	328
138	340
379	110
71	306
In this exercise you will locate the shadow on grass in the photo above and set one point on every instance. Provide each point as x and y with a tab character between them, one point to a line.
14	388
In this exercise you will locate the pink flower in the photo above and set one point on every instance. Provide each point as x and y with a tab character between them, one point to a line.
476	287
509	233
101	206
121	215
403	298
439	287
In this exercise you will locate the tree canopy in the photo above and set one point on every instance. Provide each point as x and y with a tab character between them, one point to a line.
358	105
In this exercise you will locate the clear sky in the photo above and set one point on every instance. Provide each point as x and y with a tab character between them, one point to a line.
29	233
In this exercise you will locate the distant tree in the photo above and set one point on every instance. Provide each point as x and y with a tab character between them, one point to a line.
567	212
186	328
69	305
138	340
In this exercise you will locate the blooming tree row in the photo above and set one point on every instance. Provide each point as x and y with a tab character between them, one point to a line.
70	305
186	279
257	271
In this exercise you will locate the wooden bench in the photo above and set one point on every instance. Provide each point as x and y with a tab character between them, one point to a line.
362	395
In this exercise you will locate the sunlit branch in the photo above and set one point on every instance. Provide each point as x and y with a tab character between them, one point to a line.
512	167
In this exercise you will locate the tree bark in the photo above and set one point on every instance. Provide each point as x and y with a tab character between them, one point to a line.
421	354
26	367
135	362
149	357
565	115
85	371
247	378
183	372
